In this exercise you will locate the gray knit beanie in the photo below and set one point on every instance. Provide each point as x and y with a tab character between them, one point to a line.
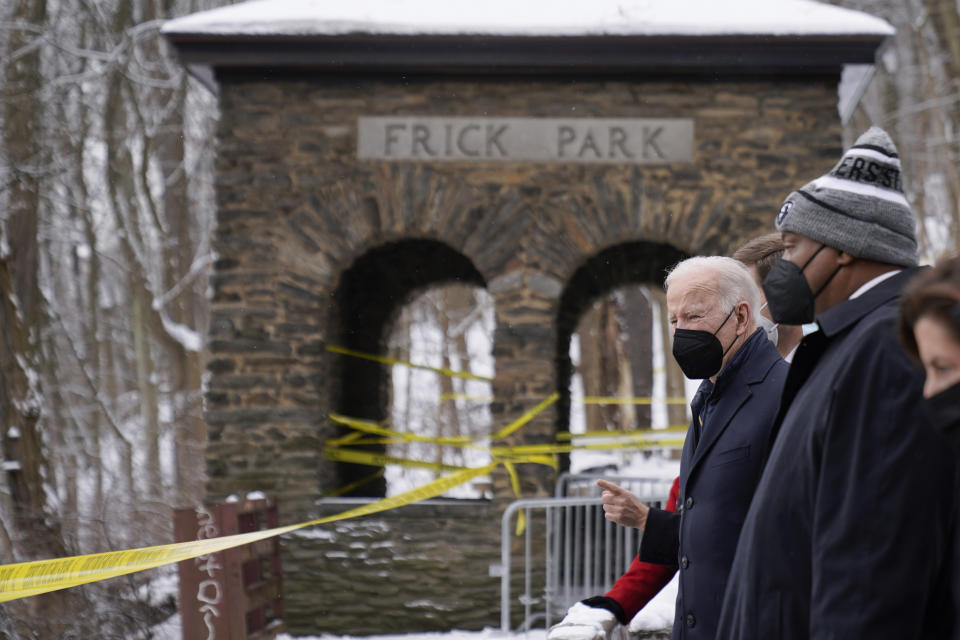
858	207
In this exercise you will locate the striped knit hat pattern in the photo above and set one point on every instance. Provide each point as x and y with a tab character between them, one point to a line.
859	206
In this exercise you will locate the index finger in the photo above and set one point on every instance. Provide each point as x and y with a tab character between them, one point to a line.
609	486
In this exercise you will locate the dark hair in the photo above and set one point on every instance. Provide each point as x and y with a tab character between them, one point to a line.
936	293
760	252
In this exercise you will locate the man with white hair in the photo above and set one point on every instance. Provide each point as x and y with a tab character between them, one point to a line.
713	304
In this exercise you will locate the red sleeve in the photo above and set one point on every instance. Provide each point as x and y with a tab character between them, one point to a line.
643	580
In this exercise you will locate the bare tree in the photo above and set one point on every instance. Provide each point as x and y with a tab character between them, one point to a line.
915	95
29	528
105	178
432	330
616	346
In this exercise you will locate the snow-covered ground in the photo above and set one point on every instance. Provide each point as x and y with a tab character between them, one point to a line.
486	634
170	630
658	614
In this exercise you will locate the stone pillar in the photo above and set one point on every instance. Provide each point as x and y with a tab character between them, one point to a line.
524	349
265	398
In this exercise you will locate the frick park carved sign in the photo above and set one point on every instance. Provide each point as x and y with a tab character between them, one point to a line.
574	140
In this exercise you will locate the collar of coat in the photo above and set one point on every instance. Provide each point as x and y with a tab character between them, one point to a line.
757	370
839	317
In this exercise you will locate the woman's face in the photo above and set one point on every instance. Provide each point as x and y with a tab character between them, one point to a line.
939	353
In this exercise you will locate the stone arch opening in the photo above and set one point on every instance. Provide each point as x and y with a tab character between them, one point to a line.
613	269
449	327
369	296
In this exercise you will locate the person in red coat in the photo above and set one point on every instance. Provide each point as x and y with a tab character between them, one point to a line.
594	618
643	580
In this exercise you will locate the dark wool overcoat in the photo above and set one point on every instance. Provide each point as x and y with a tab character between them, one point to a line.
719	471
849	533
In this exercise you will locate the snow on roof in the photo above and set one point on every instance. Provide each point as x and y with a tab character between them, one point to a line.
531	18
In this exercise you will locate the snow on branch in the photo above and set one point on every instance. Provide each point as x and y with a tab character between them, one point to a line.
188	338
199	264
88	378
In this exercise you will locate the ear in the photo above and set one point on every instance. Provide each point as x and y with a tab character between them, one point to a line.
845	258
743	313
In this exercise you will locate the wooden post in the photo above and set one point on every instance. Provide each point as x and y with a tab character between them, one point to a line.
236	594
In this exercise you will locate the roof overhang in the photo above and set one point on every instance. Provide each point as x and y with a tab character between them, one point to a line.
529	56
532	38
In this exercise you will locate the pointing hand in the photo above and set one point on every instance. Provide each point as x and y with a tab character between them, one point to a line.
622	507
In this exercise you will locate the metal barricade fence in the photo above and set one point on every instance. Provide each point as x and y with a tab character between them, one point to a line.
569	550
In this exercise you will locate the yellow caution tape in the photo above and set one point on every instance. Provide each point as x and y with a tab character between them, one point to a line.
374	459
531	453
546	460
638	436
515	485
26	579
465	397
371	441
368	426
351	438
563	436
593	400
675	428
340	454
347	488
537	453
472	376
402	441
534	449
380	460
377	459
384	360
527	417
631	400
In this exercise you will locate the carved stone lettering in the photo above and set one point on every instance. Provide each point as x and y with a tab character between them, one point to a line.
466	150
650	141
493	139
565	136
617	138
485	139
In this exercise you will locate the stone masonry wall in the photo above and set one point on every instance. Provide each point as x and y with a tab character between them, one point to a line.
296	209
422	567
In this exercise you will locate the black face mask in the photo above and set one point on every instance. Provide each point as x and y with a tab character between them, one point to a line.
788	295
699	353
943	412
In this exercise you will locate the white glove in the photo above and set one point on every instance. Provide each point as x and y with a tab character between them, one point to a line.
583	622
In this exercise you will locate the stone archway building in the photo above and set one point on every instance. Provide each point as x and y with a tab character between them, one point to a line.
359	160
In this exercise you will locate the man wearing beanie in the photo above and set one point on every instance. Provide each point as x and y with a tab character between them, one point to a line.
849	531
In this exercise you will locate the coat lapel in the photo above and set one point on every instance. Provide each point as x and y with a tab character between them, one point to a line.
686	459
762	356
733	399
